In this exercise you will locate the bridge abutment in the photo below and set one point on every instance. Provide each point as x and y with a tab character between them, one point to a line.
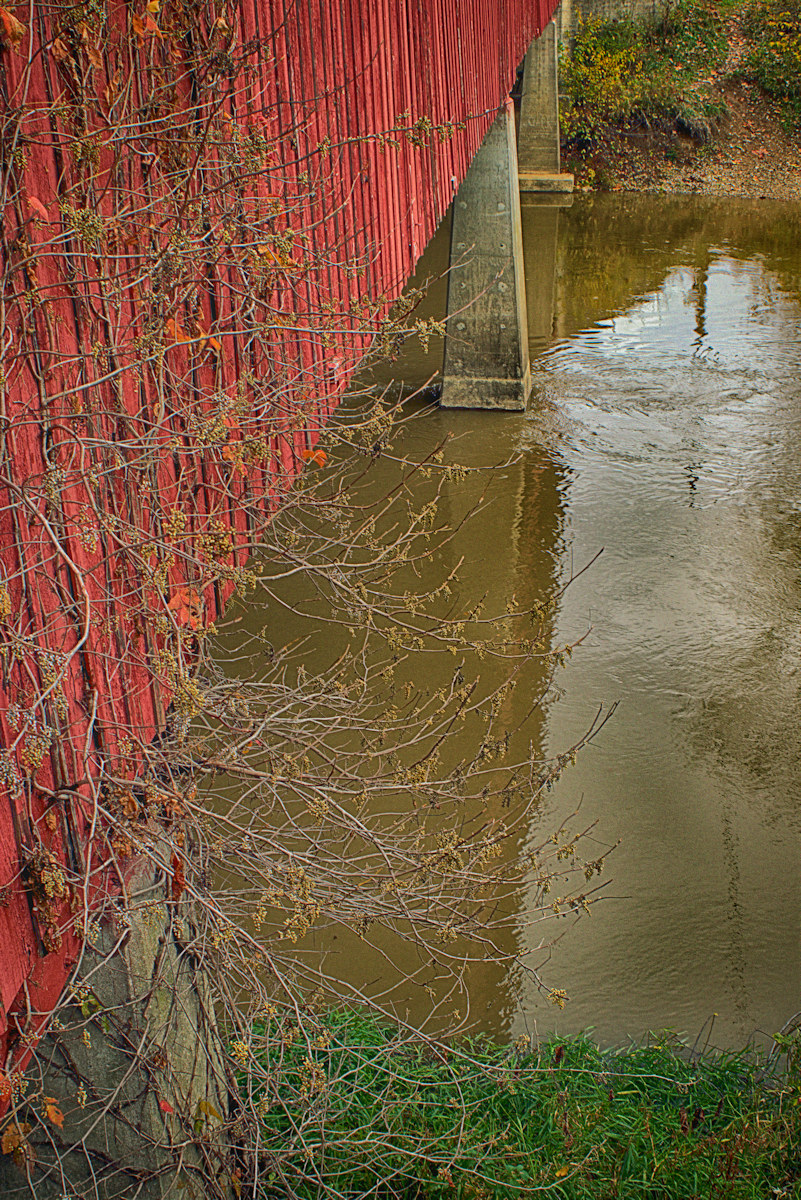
486	350
133	1070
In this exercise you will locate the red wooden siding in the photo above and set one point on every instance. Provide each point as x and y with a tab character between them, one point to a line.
337	76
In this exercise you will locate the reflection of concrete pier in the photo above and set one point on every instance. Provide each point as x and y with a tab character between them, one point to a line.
540	219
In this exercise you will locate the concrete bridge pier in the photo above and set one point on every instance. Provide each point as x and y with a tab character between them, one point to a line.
538	149
486	350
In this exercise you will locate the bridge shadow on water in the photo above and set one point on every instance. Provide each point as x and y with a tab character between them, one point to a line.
664	429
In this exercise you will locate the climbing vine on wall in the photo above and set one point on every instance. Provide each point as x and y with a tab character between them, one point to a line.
186	288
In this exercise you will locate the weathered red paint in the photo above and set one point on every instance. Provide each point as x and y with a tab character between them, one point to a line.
341	72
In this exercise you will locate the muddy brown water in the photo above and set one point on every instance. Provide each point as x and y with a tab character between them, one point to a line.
664	430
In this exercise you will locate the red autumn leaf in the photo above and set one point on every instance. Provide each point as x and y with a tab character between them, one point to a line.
166	1107
38	207
151	27
13	29
178	877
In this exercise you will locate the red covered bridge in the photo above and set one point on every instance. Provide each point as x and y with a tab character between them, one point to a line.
208	210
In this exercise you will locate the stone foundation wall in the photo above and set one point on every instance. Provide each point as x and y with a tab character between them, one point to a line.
570	12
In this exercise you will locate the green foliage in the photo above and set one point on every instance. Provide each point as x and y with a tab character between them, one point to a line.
773	61
624	70
353	1107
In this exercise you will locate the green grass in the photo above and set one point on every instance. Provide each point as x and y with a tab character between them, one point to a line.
354	1109
623	71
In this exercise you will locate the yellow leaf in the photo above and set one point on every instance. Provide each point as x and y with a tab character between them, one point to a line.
154	6
208	1109
560	1174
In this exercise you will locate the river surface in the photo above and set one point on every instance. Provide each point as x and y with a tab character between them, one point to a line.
664	431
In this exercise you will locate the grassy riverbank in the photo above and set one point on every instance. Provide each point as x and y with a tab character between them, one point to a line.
356	1109
708	100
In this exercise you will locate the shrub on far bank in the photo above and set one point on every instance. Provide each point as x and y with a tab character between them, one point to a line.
659	73
773	61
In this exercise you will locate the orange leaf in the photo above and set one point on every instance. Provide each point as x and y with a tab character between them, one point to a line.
59	50
38	207
138	25
10	1140
13	29
95	57
185	604
178	877
177	331
316	456
53	1112
14	1137
560	1174
151	26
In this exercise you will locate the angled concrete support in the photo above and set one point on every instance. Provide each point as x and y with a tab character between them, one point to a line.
486	349
538	139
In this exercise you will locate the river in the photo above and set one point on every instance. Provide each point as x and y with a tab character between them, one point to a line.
665	431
